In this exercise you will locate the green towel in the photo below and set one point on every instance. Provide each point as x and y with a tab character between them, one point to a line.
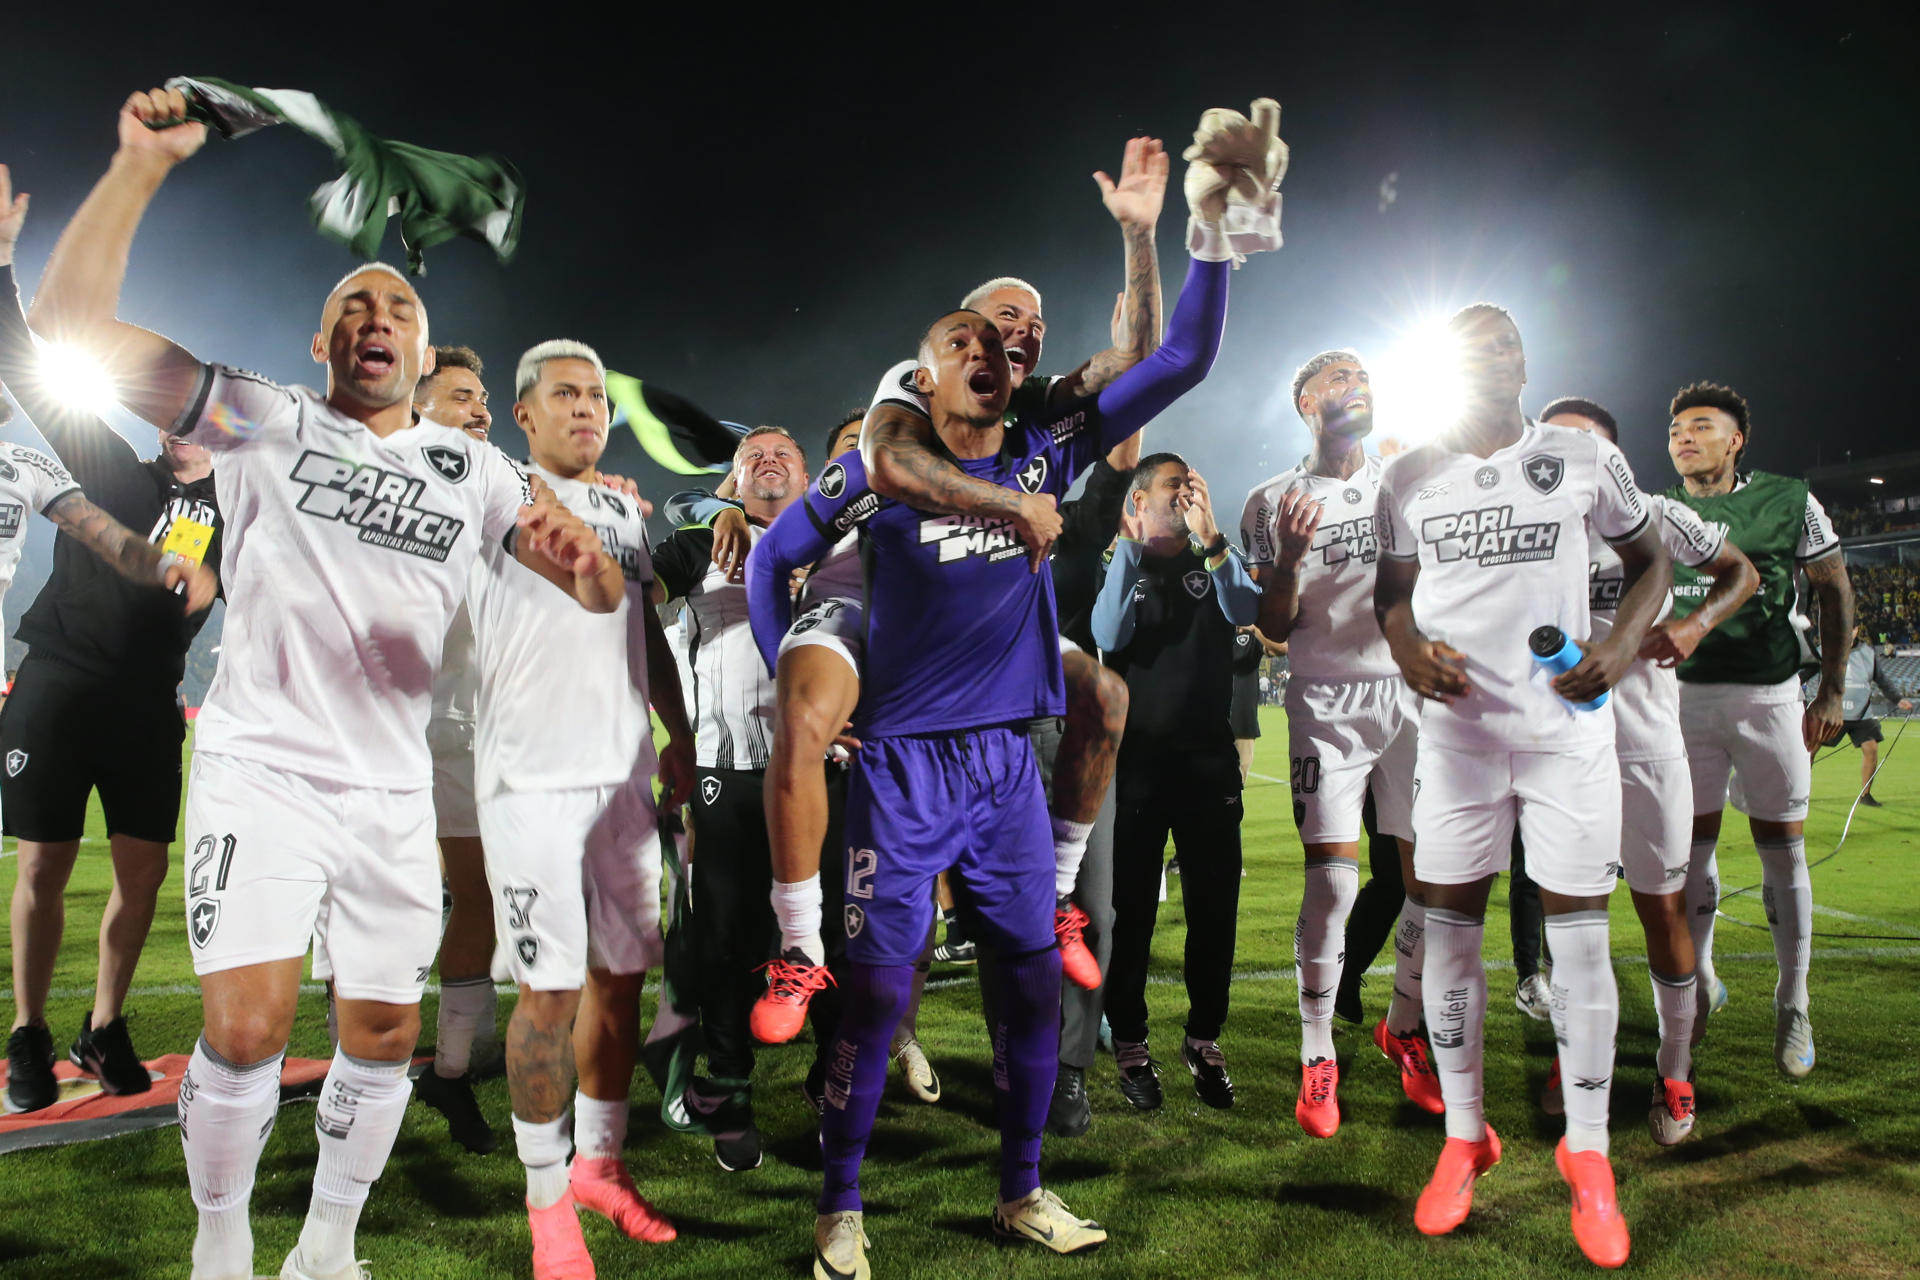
438	195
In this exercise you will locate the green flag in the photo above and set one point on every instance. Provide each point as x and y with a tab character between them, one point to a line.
676	433
438	195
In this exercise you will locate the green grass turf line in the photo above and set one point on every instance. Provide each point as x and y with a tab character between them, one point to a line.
1820	1178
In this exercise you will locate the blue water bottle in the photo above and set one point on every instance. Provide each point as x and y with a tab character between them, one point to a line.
1552	650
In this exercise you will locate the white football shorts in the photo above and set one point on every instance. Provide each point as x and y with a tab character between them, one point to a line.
838	623
276	858
454	813
1656	825
1342	737
1465	804
576	883
1748	734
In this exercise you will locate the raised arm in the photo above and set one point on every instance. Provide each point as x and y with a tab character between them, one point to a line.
130	555
1178	365
80	290
1135	203
1834	590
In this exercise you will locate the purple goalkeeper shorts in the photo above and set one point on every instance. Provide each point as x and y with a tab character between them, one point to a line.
967	803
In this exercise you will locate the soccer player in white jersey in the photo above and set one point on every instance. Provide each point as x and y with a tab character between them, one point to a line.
1485	535
1352	723
570	831
350	532
453	395
1656	792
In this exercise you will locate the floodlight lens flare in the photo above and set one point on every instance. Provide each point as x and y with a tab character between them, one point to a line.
76	379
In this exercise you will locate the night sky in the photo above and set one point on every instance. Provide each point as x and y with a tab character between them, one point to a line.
762	212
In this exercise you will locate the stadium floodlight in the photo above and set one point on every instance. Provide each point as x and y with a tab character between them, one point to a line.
73	377
1418	384
1876	480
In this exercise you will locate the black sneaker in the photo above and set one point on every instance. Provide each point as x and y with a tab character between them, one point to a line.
1070	1114
106	1053
1346	998
1139	1075
956	953
30	1082
1209	1068
738	1152
452	1097
1869	801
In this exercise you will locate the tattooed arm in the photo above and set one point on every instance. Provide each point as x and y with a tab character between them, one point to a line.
127	553
906	463
1828	578
1135	202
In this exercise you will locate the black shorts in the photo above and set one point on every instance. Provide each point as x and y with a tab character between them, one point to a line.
65	733
1860	732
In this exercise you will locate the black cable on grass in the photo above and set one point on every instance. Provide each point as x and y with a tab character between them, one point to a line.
1845	829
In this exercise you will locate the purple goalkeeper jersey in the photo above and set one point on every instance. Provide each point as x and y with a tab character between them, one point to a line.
961	633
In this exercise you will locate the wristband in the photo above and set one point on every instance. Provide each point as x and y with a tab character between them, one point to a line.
1207	242
1217	547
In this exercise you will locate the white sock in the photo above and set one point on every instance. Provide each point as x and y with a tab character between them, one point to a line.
464	1006
1788	893
1673	999
543	1150
226	1113
1456	1004
361	1106
1069	847
599	1128
1319	947
797	908
1409	958
1703	899
1586	1014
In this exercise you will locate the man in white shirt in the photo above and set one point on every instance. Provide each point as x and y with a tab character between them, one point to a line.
568	824
350	533
1485	541
1352	724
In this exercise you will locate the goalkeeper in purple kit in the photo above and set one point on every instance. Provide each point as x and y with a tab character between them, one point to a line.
962	651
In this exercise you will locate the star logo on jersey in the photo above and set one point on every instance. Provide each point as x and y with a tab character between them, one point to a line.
451	464
1544	472
709	789
1485	477
203	920
16	761
1034	474
1352	496
833	481
1196	583
856	920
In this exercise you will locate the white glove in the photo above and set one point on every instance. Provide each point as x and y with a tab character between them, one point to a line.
1232	184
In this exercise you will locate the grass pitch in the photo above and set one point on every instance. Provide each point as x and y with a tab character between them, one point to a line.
1820	1178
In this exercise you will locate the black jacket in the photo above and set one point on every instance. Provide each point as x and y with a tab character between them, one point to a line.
87	615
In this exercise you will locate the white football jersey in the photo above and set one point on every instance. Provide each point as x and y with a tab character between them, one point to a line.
1502	543
345	557
730	691
563	692
840	575
30	482
1646	702
1336	637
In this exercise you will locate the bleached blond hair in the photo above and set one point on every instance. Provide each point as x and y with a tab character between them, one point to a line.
527	374
982	292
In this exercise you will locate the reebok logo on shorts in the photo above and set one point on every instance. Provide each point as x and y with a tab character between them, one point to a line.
16	761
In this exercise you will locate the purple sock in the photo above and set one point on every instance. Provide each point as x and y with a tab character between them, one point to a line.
1026	1056
876	995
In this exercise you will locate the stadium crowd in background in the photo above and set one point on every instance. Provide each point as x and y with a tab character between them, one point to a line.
907	660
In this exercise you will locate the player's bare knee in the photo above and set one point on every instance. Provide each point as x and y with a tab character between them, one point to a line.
246	1036
803	730
45	868
546	1010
